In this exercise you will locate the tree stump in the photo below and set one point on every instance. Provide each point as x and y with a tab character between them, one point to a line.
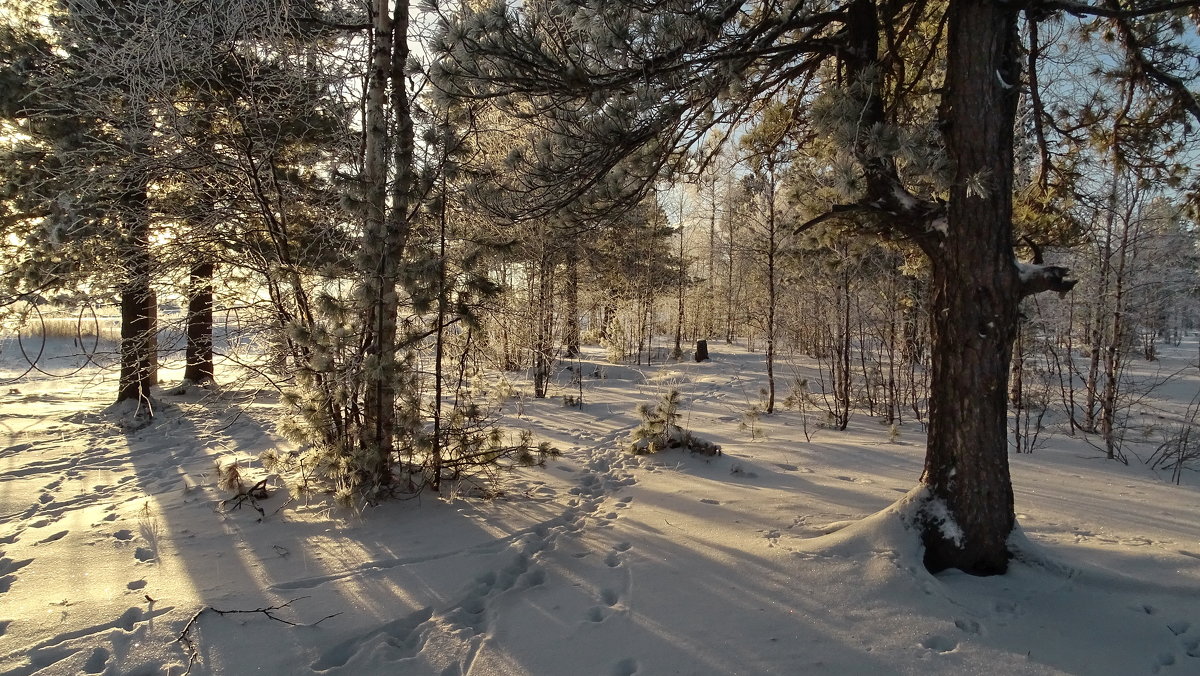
701	350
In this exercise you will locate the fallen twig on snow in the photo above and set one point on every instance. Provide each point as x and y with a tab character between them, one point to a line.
194	654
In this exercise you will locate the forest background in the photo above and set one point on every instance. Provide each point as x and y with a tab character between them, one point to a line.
372	209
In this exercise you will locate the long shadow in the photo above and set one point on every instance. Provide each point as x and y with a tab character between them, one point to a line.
350	573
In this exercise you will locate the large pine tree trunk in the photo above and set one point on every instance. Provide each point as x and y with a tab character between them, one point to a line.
199	351
138	303
975	300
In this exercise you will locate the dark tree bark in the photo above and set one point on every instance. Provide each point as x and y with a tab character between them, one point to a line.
199	351
976	294
571	312
138	303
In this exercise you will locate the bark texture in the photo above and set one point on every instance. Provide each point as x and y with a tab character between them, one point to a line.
138	303
976	292
199	351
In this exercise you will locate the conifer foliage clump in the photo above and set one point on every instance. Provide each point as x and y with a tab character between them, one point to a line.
660	430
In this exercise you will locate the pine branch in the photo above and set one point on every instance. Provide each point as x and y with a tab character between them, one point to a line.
1178	89
1082	9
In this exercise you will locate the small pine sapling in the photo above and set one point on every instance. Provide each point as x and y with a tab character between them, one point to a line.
660	429
750	418
798	398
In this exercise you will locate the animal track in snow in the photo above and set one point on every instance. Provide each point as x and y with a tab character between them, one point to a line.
1006	610
124	534
969	626
1179	627
53	538
7	567
400	634
625	667
939	644
95	663
610	597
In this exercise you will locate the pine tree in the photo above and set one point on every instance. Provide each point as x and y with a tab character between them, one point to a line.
651	82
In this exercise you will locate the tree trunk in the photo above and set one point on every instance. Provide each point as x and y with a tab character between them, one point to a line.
678	351
772	288
543	319
138	303
387	227
571	311
199	352
379	272
975	301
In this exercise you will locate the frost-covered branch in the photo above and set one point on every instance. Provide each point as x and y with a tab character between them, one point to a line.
1038	277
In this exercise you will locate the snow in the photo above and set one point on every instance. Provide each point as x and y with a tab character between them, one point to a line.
777	557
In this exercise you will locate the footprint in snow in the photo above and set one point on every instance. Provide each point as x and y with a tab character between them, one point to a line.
1006	610
402	634
136	585
610	597
95	663
595	614
625	667
144	554
1192	647
1163	660
612	560
53	538
969	626
622	546
130	618
9	566
124	534
939	644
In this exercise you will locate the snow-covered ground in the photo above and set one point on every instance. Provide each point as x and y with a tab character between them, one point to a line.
780	556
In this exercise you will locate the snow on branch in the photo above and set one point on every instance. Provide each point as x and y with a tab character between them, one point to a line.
1038	277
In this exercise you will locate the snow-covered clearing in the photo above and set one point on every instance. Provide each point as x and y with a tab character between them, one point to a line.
780	556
